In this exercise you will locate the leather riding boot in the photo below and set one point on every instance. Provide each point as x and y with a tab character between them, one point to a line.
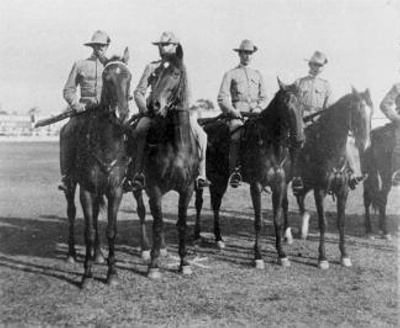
127	185
235	177
138	178
67	159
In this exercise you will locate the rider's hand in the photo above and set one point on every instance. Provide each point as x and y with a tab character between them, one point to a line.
257	110
80	108
236	114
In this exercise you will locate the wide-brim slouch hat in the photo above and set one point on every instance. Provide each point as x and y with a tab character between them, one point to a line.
167	37
318	58
246	45
99	37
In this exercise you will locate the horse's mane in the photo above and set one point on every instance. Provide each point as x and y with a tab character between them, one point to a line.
341	105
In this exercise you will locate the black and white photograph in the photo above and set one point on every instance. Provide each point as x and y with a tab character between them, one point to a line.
199	163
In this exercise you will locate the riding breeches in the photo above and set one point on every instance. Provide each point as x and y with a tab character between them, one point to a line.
352	154
68	144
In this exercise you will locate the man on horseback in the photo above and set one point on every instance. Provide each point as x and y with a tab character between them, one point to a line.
242	90
315	94
390	106
166	46
87	75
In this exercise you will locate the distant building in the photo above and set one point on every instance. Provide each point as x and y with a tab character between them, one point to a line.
22	125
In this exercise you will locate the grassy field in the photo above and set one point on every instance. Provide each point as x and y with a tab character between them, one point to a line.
39	289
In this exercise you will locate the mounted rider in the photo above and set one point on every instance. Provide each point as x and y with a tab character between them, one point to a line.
390	106
85	75
166	46
315	95
242	90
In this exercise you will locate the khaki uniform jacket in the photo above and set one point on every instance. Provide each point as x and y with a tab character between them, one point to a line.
390	104
242	89
87	74
314	93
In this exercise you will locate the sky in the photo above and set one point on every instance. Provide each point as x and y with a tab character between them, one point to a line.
42	39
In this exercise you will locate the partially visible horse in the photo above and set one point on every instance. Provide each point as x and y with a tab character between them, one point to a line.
173	158
101	166
377	163
265	161
323	163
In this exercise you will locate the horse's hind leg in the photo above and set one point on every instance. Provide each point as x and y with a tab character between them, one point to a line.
255	190
278	223
184	199
71	212
199	206
341	222
367	206
288	237
113	206
382	210
141	211
305	216
98	254
319	196
158	228
216	198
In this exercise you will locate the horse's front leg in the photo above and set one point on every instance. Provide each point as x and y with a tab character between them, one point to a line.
71	212
216	198
319	196
114	201
155	201
255	190
184	199
305	216
98	254
386	186
277	198
199	206
87	202
141	211
341	223
288	237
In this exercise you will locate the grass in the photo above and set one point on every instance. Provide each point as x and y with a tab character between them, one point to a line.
39	289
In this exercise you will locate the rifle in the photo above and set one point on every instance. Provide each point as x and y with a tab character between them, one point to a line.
207	120
62	116
310	117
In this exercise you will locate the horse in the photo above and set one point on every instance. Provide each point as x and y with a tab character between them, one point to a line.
323	163
172	156
101	167
265	161
376	161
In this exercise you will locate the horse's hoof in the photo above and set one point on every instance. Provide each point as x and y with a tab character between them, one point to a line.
220	244
284	261
259	264
323	265
163	252
86	282
112	280
70	260
387	237
145	256
289	236
186	270
154	273
99	259
346	262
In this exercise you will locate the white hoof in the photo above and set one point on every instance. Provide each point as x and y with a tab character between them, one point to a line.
305	224
163	252
220	244
154	274
259	264
145	256
323	265
289	236
284	262
346	262
186	270
388	237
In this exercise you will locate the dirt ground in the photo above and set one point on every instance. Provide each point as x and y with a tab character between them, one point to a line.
39	289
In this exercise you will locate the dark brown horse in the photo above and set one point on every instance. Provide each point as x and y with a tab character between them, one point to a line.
323	163
265	162
101	166
173	159
377	163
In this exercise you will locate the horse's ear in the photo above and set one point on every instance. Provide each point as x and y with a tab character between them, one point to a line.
125	58
354	90
179	51
282	86
368	98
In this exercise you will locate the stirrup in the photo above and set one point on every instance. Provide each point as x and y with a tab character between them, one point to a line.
63	183
127	185
202	182
138	183
355	180
297	185
396	178
235	179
